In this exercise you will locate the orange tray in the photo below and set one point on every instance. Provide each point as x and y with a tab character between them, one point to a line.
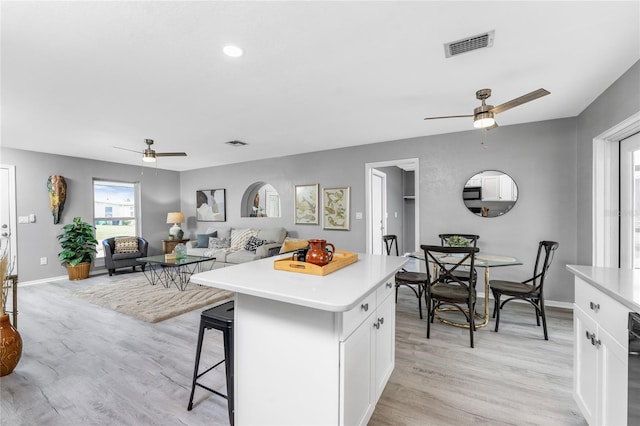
340	260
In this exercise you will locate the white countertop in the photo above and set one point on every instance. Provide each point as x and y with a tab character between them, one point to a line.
335	292
622	285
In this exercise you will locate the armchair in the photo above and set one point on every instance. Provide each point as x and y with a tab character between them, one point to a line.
113	260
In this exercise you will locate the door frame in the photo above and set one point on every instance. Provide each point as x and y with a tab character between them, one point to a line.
409	163
383	205
605	226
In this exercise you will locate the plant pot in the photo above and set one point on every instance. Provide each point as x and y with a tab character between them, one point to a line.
10	346
79	272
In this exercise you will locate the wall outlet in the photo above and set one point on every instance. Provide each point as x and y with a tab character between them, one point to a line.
43	260
23	219
358	215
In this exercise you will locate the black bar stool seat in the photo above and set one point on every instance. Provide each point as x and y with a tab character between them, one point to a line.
220	318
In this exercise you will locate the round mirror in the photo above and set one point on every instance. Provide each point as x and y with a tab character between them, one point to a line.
490	193
260	200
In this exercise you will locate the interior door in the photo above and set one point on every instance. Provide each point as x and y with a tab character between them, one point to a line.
8	219
630	202
378	210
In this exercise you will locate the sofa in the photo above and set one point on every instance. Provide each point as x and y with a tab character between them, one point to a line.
122	252
231	246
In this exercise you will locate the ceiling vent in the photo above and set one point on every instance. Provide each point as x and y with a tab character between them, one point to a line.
468	44
236	143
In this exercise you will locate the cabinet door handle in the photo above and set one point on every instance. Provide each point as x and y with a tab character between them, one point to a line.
594	306
590	336
381	320
596	343
364	307
377	325
389	285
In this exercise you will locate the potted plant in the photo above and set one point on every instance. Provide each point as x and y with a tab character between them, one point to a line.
78	248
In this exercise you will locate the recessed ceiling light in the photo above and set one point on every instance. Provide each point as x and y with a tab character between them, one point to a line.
236	143
233	51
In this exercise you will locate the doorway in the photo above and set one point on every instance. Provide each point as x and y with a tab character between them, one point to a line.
376	215
8	219
630	202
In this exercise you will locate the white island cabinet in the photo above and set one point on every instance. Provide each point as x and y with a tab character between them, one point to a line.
603	299
310	350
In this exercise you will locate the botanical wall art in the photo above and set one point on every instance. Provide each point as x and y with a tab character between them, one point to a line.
211	205
306	204
335	208
57	187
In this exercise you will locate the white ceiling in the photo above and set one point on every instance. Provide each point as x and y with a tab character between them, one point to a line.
79	78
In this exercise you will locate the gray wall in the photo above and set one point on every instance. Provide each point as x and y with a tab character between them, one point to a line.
160	193
541	157
619	102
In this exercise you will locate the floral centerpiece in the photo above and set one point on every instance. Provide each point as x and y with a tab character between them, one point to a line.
458	241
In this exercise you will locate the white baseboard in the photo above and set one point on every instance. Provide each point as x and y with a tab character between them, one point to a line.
43	280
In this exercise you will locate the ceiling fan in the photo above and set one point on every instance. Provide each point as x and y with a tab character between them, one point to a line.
149	155
483	116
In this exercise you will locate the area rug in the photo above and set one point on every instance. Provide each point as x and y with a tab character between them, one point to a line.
152	303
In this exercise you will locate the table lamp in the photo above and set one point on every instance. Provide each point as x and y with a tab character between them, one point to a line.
175	218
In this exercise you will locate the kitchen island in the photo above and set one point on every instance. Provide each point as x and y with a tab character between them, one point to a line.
310	349
603	299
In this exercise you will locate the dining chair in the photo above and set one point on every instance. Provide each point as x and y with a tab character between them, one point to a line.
416	281
530	290
445	288
463	273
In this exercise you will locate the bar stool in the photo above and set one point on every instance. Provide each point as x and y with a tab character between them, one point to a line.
220	318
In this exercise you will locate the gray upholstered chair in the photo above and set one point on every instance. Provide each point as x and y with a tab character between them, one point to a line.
113	260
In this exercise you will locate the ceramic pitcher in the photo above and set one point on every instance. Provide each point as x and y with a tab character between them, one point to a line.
319	253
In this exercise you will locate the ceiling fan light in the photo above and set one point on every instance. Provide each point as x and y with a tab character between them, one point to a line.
148	159
483	120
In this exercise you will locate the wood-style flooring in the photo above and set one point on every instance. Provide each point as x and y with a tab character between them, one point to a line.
87	365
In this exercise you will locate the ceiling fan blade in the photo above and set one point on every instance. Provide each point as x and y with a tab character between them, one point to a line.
520	100
171	154
449	116
127	149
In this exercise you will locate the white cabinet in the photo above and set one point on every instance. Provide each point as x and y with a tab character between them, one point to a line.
600	356
499	188
367	357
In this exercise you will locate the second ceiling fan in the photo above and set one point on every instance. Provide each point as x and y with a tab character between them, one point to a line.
484	115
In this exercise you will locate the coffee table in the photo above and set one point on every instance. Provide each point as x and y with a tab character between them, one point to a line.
167	271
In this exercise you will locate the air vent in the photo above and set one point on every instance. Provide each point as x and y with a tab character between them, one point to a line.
468	44
236	143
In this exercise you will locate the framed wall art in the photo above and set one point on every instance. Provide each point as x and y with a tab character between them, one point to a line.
211	205
335	208
306	204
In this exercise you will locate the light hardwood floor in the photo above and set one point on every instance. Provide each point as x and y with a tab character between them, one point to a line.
86	365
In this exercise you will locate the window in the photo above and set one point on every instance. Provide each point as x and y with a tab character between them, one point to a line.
115	210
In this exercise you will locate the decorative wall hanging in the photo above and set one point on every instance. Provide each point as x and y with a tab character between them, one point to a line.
57	186
335	208
306	204
211	205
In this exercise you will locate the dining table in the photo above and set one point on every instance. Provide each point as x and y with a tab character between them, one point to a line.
484	260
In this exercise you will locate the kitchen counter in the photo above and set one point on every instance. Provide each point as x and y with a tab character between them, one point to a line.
622	285
336	292
310	350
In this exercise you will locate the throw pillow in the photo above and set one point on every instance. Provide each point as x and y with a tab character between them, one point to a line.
291	244
203	239
253	243
239	238
126	244
219	243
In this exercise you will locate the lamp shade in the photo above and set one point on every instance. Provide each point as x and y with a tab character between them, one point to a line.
175	217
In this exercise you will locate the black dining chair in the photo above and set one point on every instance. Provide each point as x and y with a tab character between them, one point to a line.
445	288
445	241
530	290
416	281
